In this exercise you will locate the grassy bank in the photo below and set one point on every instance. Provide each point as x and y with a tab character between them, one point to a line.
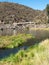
37	54
14	41
34	55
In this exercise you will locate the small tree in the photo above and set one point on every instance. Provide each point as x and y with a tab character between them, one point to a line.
47	10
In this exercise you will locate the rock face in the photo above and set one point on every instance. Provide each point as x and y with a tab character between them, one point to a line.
15	28
41	18
13	12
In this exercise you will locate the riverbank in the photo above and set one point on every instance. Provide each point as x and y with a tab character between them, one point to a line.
34	55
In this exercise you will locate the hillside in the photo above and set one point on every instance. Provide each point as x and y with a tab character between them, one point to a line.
12	12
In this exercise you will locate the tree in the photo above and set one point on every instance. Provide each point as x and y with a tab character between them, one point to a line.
47	10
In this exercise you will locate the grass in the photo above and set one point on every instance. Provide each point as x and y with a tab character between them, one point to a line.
14	41
34	55
40	33
40	29
37	54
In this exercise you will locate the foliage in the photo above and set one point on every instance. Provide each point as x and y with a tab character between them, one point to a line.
47	9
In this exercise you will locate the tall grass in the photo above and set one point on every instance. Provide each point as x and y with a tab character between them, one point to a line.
14	41
34	55
40	33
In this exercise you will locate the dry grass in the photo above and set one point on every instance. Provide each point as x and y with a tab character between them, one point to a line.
39	28
40	33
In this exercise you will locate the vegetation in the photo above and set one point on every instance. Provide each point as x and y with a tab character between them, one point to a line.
14	41
34	55
40	33
47	9
37	54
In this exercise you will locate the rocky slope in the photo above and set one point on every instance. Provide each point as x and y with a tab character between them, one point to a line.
13	12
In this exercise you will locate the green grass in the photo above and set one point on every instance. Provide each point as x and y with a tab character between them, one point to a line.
14	41
37	54
34	55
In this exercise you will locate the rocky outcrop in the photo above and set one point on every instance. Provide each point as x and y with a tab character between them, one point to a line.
13	12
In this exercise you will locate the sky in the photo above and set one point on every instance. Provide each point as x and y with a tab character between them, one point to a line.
35	4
